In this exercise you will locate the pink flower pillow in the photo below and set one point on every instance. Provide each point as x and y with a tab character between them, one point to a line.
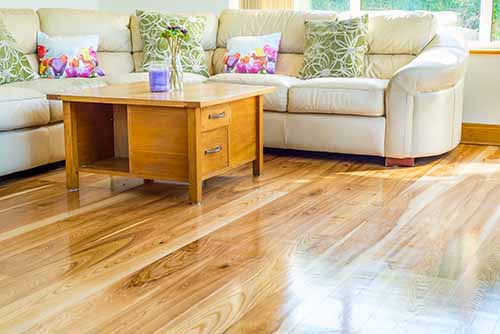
252	54
68	56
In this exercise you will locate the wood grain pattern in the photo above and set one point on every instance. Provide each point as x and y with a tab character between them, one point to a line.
125	130
243	131
71	146
194	155
490	52
193	96
320	243
120	131
216	116
483	134
158	142
95	131
214	149
258	164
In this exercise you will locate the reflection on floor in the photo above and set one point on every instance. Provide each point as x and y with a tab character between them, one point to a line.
320	243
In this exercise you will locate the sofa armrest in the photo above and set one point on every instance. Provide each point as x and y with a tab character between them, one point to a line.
439	66
424	101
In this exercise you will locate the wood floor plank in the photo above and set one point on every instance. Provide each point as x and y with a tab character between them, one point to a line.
133	254
319	244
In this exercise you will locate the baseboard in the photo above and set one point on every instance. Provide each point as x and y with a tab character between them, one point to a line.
481	134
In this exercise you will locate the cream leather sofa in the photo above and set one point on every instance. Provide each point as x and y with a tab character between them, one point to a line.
408	104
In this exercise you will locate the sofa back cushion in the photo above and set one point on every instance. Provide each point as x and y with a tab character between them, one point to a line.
234	23
115	42
398	32
24	25
394	37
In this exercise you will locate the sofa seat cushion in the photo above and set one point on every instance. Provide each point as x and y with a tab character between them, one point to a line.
22	108
343	96
276	101
189	78
59	86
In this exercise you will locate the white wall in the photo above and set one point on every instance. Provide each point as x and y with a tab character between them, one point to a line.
125	6
129	6
84	4
482	90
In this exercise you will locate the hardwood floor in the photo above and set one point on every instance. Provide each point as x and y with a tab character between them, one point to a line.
318	244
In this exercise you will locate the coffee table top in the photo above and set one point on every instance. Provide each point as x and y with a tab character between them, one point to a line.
193	96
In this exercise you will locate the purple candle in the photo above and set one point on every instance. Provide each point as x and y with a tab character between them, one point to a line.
158	79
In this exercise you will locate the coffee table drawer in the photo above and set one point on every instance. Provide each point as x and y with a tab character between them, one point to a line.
214	146
215	117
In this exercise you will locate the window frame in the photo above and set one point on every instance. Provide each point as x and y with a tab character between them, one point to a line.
485	21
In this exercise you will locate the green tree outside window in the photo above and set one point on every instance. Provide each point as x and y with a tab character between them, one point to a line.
468	10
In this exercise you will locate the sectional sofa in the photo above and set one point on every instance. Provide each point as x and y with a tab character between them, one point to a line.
408	103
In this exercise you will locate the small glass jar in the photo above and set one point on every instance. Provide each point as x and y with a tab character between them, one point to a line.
159	76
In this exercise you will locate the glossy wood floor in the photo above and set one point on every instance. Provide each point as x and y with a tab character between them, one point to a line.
318	244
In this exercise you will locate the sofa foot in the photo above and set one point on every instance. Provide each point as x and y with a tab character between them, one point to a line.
405	162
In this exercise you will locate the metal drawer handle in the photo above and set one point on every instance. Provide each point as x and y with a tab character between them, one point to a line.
213	150
217	116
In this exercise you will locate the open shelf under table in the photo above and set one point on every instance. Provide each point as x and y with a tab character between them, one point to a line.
113	166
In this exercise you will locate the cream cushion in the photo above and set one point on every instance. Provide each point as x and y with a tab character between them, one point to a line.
23	149
325	133
384	66
400	32
115	63
343	96
22	108
209	37
290	23
439	66
276	101
425	101
113	29
33	60
56	141
56	86
24	25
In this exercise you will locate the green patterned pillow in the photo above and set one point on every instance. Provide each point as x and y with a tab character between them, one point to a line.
14	65
335	48
192	54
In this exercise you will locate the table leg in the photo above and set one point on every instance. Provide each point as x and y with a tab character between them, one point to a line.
195	191
194	155
71	147
258	164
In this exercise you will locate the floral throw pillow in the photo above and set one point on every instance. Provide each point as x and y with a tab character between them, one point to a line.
335	48
14	66
252	54
68	56
192	55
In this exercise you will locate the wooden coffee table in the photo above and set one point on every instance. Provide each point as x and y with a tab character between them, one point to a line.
186	136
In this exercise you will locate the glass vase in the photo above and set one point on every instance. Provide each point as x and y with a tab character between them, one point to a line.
176	73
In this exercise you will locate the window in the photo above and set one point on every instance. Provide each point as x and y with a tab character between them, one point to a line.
335	5
473	17
495	25
467	11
